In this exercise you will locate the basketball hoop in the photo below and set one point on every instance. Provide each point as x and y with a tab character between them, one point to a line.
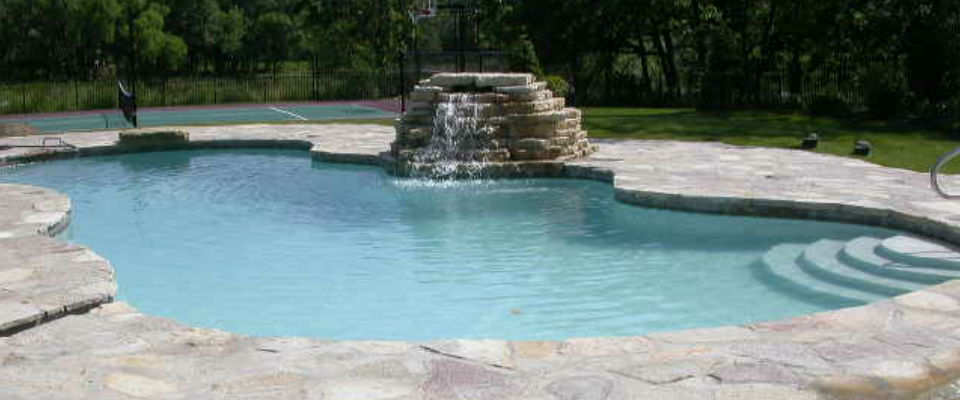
425	9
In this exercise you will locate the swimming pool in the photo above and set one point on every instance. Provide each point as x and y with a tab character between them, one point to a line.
268	242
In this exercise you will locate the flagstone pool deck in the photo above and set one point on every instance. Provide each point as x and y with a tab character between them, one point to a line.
62	337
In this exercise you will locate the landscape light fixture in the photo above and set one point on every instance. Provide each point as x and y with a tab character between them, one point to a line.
862	148
811	141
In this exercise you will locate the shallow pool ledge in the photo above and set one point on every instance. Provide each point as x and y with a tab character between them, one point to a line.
894	349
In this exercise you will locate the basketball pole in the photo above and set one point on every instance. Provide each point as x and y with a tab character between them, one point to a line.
403	61
416	48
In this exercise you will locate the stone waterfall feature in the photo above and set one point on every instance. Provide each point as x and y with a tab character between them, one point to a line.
483	124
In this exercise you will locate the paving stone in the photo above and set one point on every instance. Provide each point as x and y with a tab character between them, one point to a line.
581	388
758	372
660	372
139	386
928	301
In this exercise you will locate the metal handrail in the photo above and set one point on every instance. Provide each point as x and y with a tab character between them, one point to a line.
935	171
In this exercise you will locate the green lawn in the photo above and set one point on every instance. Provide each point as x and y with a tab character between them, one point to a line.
894	146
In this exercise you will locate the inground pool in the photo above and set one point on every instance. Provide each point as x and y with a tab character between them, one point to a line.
269	242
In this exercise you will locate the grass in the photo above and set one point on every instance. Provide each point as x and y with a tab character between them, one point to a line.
895	145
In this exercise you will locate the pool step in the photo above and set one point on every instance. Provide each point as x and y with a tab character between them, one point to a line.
858	271
861	253
919	252
780	267
821	259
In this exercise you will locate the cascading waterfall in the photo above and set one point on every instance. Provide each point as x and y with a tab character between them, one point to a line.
484	125
460	141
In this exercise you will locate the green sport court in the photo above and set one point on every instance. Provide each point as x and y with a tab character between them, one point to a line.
112	119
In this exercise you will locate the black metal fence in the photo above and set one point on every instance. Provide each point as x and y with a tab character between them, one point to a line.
850	87
34	97
430	63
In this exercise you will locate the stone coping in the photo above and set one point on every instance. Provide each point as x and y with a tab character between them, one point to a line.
42	278
892	349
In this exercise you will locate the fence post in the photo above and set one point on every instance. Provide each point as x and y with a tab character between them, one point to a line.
76	94
23	98
313	79
216	90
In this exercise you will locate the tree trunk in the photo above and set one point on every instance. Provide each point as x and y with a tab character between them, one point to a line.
644	65
673	76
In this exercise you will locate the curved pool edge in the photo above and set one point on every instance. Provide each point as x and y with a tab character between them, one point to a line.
891	349
42	278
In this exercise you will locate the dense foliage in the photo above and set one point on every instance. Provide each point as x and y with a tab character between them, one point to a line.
881	57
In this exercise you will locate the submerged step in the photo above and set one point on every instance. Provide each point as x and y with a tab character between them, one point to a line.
779	266
861	253
919	252
821	259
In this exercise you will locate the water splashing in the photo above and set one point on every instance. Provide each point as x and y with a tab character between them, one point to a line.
463	139
485	125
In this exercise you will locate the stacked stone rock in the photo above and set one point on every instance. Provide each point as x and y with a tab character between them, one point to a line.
529	124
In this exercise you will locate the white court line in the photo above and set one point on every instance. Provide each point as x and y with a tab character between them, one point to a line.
297	116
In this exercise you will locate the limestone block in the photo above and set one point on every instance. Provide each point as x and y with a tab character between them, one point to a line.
525	89
487	113
571	123
531	144
527	155
481	80
554	117
534	107
531	96
498	98
559	151
572	133
565	141
585	145
153	137
502	80
483	98
447	80
495	155
541	130
427	89
572	113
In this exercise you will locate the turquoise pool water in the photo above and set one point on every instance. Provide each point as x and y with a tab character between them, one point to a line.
268	242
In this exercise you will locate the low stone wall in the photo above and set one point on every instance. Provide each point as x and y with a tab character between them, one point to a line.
153	138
